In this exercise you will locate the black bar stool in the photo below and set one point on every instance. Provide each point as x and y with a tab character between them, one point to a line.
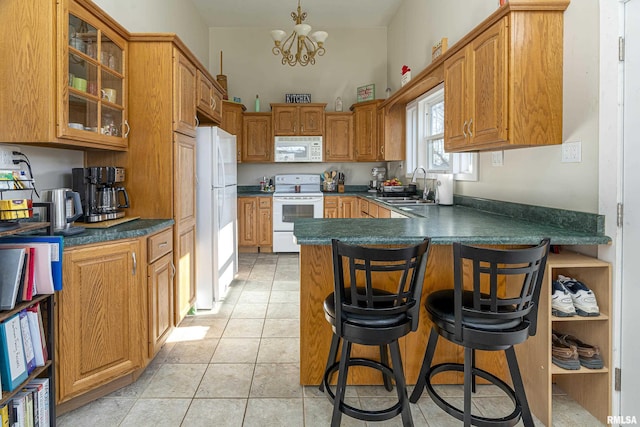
500	311
363	314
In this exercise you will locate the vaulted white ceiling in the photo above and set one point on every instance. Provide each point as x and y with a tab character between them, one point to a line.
276	14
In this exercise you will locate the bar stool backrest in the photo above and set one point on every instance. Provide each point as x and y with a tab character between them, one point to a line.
506	283
368	269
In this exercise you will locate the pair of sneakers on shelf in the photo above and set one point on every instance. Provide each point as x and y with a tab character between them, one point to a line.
570	297
568	352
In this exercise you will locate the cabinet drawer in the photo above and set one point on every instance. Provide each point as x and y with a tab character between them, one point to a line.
264	202
160	244
331	202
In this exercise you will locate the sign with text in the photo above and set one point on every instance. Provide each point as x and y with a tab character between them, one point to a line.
297	98
366	93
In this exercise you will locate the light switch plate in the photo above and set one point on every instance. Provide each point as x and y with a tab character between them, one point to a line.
497	158
572	152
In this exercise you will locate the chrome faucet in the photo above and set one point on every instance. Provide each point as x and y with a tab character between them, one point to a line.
425	192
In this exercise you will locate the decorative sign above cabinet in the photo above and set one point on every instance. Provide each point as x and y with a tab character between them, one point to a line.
297	98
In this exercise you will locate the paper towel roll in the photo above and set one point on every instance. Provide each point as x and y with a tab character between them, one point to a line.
445	189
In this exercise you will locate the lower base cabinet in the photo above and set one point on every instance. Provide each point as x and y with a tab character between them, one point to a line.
99	316
114	313
341	207
255	224
160	278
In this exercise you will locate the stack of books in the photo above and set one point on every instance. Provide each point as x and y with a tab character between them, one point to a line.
29	407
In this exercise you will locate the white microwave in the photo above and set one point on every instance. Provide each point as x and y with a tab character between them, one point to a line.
298	149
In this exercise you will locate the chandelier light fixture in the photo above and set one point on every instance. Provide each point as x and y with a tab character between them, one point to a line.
299	48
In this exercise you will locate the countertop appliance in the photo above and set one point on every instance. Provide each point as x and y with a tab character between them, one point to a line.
298	148
296	196
67	208
101	192
216	215
378	175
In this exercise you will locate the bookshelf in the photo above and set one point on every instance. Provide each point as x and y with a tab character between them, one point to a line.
47	307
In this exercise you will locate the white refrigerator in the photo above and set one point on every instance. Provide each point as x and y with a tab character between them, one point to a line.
216	223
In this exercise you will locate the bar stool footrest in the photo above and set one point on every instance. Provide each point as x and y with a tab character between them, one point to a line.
361	414
507	421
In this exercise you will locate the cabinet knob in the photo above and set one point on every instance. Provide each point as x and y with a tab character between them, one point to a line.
135	263
469	128
126	132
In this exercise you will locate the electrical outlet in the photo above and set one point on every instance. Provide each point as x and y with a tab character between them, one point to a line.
572	152
6	157
497	158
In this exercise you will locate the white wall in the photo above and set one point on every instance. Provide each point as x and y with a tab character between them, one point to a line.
162	16
51	166
419	24
529	175
353	58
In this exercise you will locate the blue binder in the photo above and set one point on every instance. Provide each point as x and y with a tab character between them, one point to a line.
13	366
56	253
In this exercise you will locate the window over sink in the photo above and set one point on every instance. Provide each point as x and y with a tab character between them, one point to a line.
425	140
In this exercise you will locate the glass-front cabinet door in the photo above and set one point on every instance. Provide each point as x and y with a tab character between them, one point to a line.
94	90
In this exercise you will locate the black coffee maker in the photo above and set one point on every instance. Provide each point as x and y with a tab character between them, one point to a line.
101	192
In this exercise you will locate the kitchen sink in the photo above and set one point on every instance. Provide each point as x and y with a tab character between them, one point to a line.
404	201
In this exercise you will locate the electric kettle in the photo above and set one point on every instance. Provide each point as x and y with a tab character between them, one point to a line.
66	208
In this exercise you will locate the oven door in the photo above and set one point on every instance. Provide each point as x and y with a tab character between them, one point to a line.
286	209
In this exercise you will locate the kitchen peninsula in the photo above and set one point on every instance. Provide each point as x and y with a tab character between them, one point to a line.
472	221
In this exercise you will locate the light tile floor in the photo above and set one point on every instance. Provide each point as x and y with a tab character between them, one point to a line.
237	365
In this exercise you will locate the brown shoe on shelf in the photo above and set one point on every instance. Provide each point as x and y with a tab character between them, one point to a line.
588	355
564	355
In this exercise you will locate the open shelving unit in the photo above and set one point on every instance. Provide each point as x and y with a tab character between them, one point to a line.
591	388
47	306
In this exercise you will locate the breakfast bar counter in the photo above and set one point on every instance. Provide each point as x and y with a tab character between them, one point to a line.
444	225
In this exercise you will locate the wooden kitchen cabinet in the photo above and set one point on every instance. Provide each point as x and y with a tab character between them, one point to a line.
265	224
504	88
209	99
338	137
365	130
161	165
341	207
255	224
60	41
590	388
100	316
160	275
297	119
232	122
184	86
257	139
185	217
383	212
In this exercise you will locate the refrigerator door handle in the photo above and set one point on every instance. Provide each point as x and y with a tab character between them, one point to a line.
222	176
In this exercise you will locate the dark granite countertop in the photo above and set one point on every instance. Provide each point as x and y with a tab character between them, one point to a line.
445	225
131	229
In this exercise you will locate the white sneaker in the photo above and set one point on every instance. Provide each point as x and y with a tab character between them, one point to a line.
584	300
561	302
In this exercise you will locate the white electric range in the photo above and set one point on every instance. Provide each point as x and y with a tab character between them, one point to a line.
296	196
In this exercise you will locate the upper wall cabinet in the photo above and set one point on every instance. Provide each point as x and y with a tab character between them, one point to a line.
209	97
298	119
68	70
503	89
366	129
503	82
